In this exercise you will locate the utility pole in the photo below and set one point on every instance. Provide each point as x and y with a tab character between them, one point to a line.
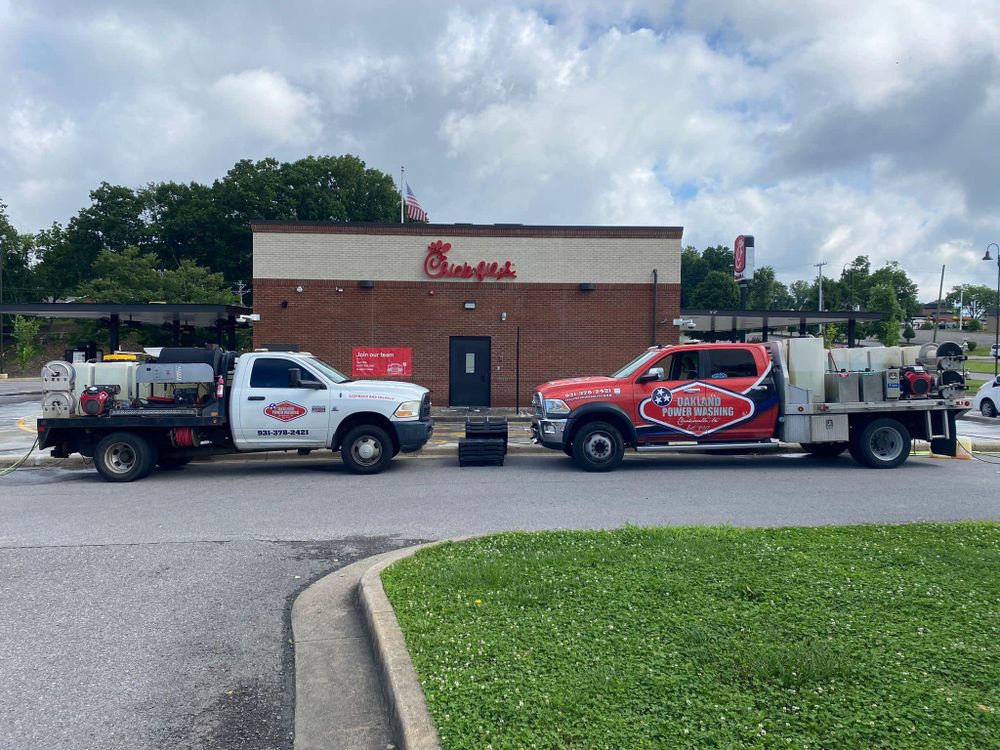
820	267
1	304
240	290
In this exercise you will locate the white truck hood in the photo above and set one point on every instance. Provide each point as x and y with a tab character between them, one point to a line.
384	389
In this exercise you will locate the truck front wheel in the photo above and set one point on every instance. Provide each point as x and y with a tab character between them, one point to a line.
880	444
124	457
366	449
598	446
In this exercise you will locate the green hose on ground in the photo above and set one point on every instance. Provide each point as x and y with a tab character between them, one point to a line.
10	469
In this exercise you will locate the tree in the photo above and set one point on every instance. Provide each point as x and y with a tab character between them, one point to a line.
15	261
695	267
977	300
765	292
908	333
718	291
113	222
855	281
893	275
882	298
25	334
805	296
135	277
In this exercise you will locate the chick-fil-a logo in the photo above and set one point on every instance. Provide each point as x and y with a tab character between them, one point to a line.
436	266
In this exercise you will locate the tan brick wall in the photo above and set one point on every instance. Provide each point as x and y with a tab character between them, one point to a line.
564	331
574	258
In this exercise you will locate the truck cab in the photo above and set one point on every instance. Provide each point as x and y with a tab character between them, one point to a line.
185	403
711	393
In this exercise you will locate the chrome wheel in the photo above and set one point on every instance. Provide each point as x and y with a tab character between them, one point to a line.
366	450
599	446
886	443
120	458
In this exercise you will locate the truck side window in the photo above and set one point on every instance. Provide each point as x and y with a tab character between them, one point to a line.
685	366
272	372
731	363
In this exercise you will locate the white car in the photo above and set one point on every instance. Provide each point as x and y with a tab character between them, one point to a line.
987	398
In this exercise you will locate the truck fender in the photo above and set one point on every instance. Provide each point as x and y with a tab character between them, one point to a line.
605	411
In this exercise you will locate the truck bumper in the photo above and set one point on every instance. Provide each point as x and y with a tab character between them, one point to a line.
549	432
413	435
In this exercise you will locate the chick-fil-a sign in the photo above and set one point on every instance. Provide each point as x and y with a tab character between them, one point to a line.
437	266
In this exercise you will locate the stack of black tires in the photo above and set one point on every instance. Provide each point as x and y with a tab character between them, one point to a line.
485	442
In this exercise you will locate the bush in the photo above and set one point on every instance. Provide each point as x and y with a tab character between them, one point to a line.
926	326
975	325
970	346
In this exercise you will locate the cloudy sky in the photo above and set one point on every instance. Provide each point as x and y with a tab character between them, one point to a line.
826	129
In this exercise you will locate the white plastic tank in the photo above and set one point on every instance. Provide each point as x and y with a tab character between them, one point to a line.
884	357
807	366
121	374
910	354
839	359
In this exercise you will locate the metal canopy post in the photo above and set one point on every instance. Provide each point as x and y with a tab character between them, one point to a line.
177	331
231	333
852	332
115	329
764	330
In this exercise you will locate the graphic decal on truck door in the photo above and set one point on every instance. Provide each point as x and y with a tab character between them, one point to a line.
696	409
286	411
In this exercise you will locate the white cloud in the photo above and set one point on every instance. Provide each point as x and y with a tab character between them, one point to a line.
264	103
826	129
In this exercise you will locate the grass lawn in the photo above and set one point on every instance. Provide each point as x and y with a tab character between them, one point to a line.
854	637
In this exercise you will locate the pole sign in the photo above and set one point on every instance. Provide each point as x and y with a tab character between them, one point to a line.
743	258
380	362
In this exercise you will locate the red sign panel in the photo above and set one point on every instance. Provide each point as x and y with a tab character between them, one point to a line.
696	409
437	266
286	411
377	362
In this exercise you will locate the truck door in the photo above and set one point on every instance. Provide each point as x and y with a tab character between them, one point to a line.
272	412
711	394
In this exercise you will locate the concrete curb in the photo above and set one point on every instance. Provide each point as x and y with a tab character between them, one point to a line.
410	718
43	461
322	618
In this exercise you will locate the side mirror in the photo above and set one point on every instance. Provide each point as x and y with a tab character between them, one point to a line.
295	380
653	373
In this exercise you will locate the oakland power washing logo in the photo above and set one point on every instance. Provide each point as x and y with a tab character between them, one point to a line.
286	411
696	408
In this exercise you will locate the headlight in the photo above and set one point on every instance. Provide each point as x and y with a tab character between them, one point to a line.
556	406
408	410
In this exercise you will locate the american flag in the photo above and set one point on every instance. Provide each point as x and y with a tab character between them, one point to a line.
413	209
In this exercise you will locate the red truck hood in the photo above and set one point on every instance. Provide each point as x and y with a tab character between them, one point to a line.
571	386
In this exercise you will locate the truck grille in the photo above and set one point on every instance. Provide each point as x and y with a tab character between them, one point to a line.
425	407
536	405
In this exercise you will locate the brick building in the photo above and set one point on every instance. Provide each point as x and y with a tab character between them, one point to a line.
469	311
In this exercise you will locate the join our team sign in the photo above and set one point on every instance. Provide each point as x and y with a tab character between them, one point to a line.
381	362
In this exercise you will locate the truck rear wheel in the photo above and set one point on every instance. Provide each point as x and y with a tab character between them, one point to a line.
366	449
880	444
824	450
598	446
124	457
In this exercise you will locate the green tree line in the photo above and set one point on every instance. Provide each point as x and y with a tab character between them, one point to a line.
184	242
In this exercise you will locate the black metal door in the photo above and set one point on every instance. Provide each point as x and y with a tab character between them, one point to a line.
469	380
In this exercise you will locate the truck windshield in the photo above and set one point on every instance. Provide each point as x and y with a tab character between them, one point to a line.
634	365
331	372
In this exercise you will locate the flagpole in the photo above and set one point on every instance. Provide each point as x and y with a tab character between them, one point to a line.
401	195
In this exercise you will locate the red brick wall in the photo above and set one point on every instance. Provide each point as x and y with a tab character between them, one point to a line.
564	331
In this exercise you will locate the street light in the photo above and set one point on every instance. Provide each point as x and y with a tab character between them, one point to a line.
996	323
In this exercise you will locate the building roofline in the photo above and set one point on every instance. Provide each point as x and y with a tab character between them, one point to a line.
271	226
